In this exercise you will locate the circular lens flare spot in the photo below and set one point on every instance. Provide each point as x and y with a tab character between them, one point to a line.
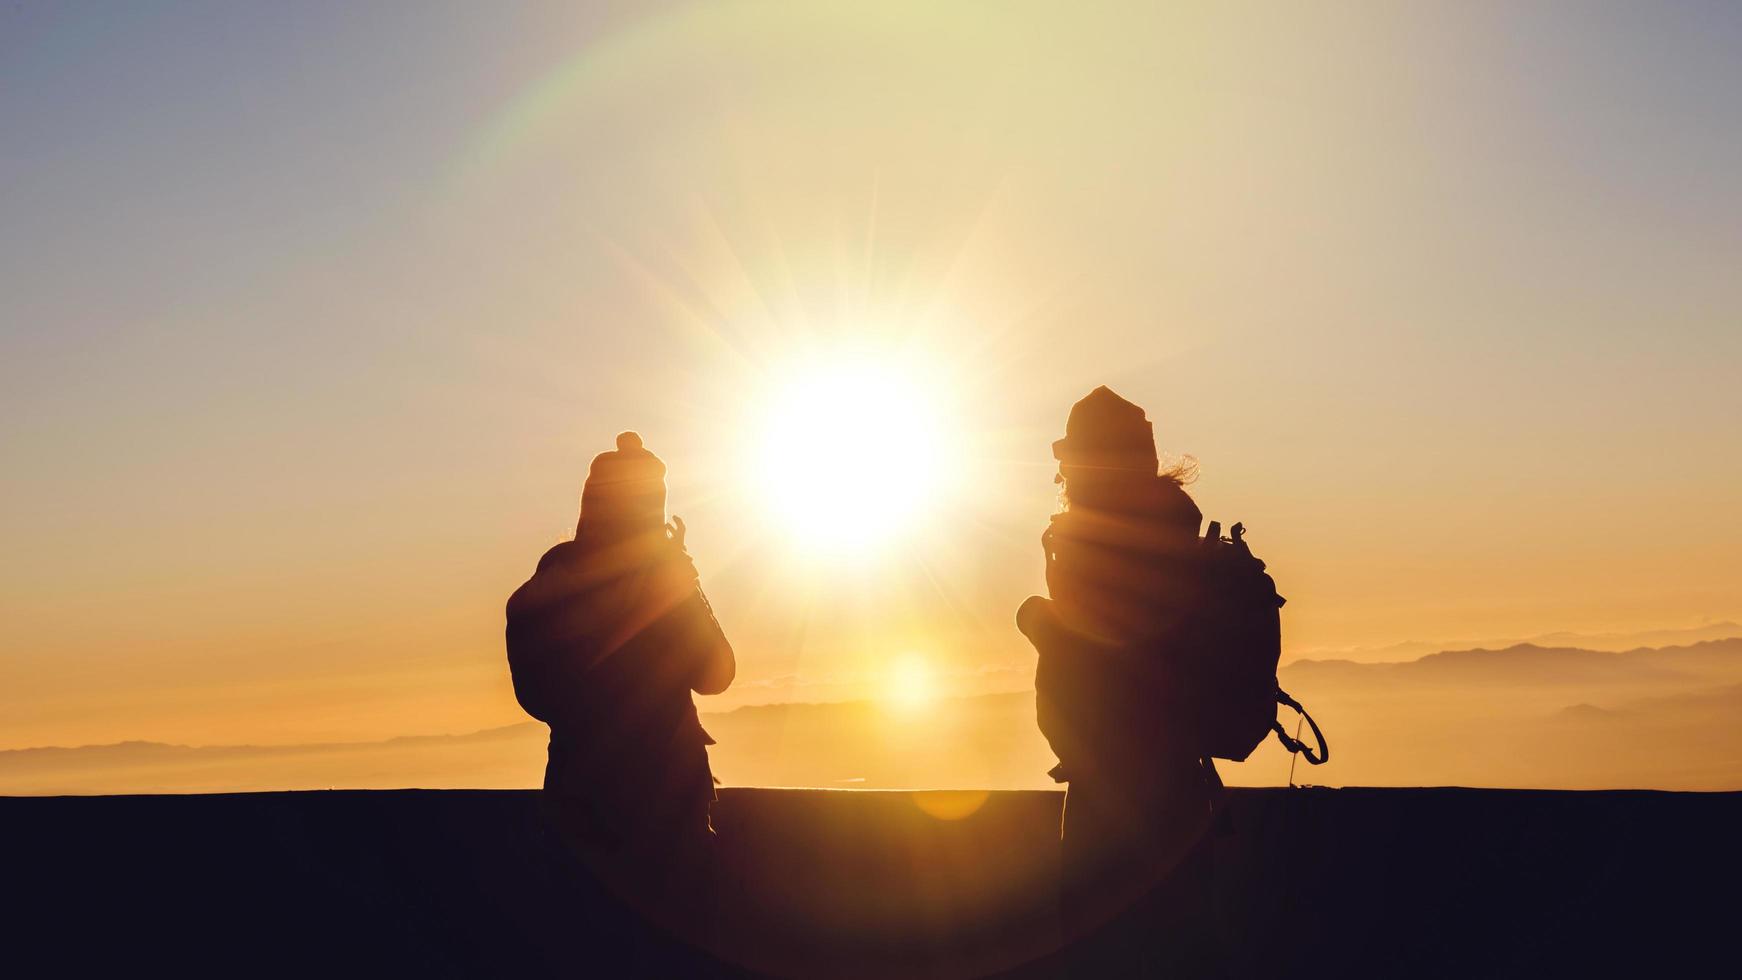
911	684
950	804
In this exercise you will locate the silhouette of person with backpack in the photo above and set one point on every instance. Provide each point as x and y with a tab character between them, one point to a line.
606	642
1115	701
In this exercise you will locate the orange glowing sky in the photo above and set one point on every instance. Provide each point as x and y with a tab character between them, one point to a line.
314	318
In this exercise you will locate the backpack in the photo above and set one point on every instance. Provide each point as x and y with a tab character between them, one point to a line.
1235	640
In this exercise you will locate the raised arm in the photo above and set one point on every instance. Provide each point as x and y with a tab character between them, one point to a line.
715	662
707	655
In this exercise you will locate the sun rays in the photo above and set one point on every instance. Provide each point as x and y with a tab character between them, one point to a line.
851	451
832	401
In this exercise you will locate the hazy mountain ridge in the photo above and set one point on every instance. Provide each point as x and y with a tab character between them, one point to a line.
1530	663
865	705
1612	642
506	757
144	747
1525	715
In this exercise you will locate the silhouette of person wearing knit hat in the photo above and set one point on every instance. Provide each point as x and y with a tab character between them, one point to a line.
606	642
1119	573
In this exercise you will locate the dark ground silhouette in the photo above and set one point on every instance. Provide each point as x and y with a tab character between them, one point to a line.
1428	882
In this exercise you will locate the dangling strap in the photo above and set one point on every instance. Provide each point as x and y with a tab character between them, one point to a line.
1221	821
1294	745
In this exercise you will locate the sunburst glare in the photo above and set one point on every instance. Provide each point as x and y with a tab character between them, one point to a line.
852	452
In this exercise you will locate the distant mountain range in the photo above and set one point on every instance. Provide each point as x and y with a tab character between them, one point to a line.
496	758
1611	642
1523	715
1528	715
1535	665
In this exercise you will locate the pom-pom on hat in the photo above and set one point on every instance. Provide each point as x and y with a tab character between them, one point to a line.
628	462
1107	432
625	485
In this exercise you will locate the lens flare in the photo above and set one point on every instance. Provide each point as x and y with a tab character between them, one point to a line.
911	684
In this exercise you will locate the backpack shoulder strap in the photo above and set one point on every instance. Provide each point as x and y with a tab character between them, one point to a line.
1293	745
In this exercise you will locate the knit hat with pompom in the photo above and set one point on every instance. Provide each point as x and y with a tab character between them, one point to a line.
626	485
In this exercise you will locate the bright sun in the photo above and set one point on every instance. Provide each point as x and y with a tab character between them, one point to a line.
851	452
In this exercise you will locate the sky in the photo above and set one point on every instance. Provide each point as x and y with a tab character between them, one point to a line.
314	314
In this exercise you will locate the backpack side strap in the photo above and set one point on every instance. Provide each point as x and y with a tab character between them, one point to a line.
1294	745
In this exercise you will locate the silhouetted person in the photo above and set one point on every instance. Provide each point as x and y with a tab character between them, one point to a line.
605	643
1109	699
